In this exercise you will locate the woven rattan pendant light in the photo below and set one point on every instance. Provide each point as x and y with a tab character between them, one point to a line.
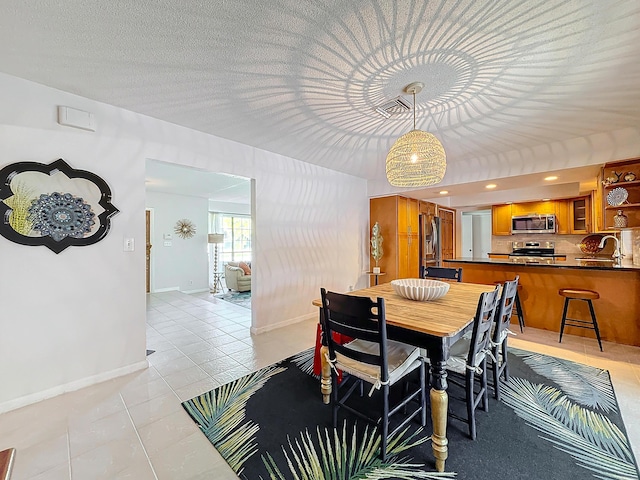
417	159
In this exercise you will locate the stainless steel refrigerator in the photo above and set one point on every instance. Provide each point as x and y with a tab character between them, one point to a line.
430	244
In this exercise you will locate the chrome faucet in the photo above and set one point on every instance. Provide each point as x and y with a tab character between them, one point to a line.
617	254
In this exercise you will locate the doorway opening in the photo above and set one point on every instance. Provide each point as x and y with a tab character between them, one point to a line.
476	233
195	264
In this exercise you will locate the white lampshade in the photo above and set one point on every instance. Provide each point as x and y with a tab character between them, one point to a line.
416	159
216	237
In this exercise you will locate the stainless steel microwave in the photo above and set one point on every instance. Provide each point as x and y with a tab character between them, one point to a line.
533	224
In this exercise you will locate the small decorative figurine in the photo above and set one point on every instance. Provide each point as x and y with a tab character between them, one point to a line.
629	177
620	220
376	246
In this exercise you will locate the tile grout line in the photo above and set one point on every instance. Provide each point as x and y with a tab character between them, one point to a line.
155	475
69	451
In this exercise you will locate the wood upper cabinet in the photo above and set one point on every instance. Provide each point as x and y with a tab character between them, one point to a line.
573	216
501	219
562	217
580	215
532	208
408	215
398	218
597	207
427	208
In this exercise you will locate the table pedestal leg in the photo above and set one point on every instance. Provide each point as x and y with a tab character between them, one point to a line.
439	408
325	382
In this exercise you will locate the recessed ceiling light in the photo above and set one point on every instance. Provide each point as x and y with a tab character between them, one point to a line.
550	178
490	186
444	192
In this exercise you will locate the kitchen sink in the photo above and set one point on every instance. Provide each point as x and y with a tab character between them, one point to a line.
591	259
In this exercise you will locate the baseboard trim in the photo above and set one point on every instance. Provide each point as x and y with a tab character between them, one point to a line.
170	289
197	290
291	321
71	386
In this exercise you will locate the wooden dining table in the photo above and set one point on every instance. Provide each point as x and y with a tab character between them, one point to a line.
434	325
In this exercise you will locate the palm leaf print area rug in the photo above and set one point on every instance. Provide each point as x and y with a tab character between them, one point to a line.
556	419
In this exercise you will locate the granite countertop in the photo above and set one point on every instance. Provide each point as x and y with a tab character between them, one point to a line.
572	261
552	255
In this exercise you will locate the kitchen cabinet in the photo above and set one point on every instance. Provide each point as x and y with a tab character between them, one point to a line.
399	220
580	215
562	217
427	208
447	232
546	207
501	219
597	207
631	184
573	216
618	309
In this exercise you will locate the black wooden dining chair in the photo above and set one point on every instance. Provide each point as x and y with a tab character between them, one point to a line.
467	364
500	364
370	358
442	273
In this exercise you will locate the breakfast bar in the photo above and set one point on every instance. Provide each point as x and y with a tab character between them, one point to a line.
617	309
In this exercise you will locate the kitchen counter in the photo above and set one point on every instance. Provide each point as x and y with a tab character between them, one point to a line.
617	309
563	261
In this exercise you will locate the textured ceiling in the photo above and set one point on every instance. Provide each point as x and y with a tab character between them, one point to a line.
303	77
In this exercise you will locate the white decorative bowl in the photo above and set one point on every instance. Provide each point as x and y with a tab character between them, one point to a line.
420	289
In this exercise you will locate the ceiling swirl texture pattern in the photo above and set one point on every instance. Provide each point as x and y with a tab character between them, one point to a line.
303	78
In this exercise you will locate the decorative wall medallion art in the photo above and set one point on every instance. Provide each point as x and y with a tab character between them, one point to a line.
53	205
185	228
617	196
61	215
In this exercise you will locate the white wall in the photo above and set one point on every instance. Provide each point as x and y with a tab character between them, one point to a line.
184	264
230	208
481	234
78	317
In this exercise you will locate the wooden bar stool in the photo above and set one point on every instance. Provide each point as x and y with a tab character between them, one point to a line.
586	296
517	307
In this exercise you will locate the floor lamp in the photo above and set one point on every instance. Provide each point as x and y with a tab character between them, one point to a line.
216	239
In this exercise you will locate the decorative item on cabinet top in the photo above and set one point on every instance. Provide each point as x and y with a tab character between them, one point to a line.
53	205
629	177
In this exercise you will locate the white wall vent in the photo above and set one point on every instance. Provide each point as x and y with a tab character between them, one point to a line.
393	107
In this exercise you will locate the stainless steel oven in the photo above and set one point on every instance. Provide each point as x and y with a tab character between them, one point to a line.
533	224
533	252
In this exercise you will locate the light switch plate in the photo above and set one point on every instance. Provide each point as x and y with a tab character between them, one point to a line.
128	245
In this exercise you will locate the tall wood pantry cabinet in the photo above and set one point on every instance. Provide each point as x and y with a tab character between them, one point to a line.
398	218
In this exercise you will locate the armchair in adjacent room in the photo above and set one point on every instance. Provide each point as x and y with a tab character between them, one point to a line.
237	276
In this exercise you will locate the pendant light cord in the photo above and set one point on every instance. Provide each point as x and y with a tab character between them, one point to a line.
414	109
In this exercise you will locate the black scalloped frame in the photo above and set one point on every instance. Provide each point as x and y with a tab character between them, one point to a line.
7	231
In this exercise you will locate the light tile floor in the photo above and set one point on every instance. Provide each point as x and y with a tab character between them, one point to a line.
135	428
